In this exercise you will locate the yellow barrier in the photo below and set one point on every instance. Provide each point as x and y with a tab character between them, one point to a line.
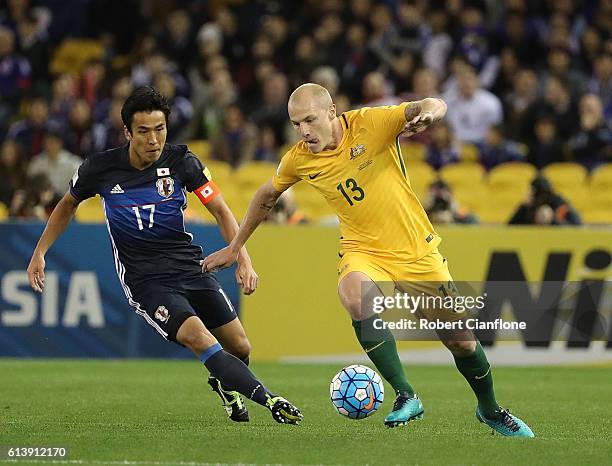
296	311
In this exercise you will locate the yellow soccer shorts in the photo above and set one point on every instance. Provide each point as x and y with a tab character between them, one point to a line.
428	276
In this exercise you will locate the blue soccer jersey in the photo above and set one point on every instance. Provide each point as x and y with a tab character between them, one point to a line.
145	211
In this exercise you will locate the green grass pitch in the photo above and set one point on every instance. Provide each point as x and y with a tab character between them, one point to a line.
163	413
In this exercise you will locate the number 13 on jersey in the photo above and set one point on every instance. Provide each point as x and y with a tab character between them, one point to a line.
355	194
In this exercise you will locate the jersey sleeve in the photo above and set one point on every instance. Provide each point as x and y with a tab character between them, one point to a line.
389	119
286	174
198	179
83	184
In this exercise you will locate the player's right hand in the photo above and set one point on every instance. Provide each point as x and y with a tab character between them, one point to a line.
36	272
221	259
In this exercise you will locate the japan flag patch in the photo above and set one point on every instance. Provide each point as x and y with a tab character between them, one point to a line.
163	172
207	192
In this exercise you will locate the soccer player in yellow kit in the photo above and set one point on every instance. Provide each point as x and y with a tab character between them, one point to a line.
354	161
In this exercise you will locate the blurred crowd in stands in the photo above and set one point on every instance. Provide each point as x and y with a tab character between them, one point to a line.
525	80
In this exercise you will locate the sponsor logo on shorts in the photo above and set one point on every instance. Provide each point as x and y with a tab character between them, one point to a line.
162	314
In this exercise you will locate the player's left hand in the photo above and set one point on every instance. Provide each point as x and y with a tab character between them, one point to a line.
221	259
419	123
246	277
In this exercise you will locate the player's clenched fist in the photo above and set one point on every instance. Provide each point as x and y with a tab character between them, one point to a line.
36	272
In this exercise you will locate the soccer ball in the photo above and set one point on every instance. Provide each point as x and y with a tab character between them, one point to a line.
356	391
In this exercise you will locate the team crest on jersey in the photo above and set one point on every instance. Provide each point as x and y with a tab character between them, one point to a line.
162	314
165	186
357	151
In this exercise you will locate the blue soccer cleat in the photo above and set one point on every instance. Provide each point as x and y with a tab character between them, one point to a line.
506	424
405	409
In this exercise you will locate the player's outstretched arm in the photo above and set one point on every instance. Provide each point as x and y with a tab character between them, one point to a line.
422	113
57	223
263	200
245	274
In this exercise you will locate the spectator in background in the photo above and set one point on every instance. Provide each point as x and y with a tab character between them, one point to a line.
509	66
443	208
79	137
544	207
439	44
63	95
15	77
93	84
181	110
557	102
559	61
517	103
36	200
359	60
35	48
236	141
497	149
327	77
13	167
109	133
305	60
443	148
267	146
30	132
328	34
592	144
376	91
272	111
208	116
471	110
546	147
176	40
285	211
55	162
601	81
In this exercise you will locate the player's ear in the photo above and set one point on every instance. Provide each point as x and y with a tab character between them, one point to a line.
332	111
127	133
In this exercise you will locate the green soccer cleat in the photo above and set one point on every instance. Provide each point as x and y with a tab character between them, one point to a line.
506	424
283	412
405	409
232	402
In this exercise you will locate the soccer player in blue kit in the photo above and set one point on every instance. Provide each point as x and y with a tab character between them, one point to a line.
143	187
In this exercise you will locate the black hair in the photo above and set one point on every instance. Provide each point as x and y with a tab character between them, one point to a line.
143	99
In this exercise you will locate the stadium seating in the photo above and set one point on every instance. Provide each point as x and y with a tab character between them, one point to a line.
201	149
511	176
412	151
466	182
421	176
221	173
570	181
252	175
463	174
74	54
310	202
90	211
601	178
468	152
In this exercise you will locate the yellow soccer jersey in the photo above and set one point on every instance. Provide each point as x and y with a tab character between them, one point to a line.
366	183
